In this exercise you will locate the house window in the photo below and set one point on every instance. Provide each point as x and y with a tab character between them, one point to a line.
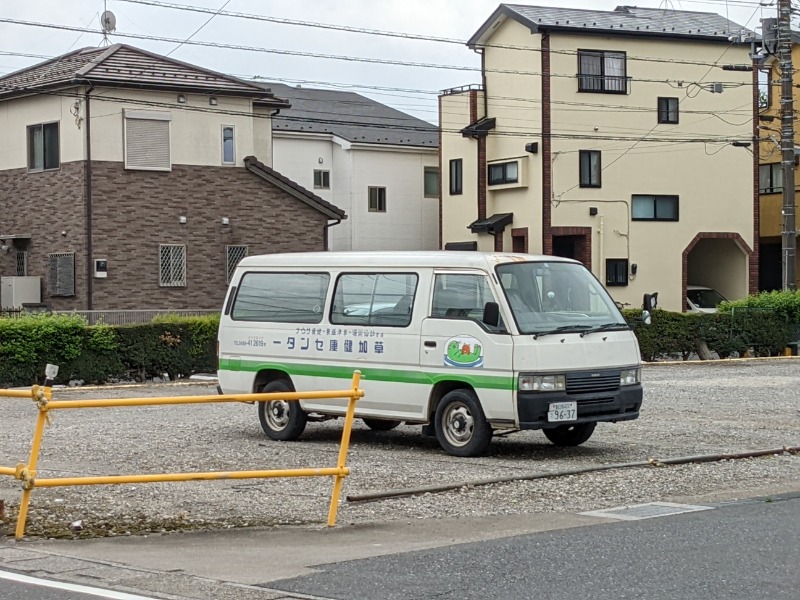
172	265
61	274
502	173
322	180
22	263
43	147
431	184
147	140
654	208
667	110
377	199
590	168
228	146
616	271
603	72
456	176
770	178
233	254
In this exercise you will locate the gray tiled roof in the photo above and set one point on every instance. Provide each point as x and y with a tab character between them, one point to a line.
121	65
350	116
629	20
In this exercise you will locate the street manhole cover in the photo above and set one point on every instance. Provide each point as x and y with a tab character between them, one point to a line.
645	511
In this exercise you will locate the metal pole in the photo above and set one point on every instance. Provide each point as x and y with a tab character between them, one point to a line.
789	233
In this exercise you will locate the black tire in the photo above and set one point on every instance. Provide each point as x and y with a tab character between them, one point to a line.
570	435
381	424
461	427
281	420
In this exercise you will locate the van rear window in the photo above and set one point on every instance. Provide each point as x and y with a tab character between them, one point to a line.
281	297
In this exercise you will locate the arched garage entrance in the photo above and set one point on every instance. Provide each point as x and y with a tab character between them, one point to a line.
719	261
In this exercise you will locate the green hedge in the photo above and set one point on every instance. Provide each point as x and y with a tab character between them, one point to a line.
679	335
181	346
178	346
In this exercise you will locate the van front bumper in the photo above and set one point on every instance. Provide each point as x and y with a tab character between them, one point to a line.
619	405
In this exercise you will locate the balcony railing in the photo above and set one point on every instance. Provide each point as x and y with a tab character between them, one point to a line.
604	84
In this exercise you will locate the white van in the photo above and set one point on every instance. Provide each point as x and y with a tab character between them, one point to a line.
467	343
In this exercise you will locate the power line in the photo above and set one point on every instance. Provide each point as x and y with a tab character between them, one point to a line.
396	127
361	59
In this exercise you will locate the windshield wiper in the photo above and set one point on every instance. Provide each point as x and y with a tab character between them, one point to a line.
607	327
563	329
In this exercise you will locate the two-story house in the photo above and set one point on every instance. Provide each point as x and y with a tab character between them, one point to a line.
770	186
378	164
620	138
129	180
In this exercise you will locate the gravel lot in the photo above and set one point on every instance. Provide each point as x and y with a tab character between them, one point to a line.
689	409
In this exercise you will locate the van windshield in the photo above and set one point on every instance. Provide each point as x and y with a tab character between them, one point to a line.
705	297
549	297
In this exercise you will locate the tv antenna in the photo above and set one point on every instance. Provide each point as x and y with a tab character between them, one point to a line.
109	23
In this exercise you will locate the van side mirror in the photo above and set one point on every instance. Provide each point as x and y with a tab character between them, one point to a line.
650	302
646	317
491	314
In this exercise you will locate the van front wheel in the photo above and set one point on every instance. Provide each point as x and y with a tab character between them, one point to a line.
281	420
570	435
461	428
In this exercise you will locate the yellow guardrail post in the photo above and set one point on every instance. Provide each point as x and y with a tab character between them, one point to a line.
43	398
341	463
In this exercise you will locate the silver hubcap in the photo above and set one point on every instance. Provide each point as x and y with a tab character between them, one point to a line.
277	414
458	424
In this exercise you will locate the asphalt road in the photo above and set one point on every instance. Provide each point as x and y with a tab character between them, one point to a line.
15	586
746	551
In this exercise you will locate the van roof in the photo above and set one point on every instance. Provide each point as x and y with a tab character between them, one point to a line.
437	258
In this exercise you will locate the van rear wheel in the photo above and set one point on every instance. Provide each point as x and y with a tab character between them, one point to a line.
381	424
461	427
570	435
281	420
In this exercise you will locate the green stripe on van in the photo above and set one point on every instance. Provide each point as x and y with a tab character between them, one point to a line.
491	382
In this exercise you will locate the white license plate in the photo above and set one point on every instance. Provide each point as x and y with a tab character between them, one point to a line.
562	411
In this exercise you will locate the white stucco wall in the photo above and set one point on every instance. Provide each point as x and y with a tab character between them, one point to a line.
411	221
17	114
195	135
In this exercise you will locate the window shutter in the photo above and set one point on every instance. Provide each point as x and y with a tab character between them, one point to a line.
61	274
147	143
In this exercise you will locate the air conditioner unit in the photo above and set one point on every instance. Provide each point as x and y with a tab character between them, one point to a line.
16	291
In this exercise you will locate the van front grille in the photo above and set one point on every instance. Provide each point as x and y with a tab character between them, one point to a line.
586	382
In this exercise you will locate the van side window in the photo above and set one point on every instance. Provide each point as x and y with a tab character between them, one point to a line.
378	299
281	297
460	297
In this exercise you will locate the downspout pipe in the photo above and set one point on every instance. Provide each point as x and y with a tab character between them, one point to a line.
482	52
325	232
88	180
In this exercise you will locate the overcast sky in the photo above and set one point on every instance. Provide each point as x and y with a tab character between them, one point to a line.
457	19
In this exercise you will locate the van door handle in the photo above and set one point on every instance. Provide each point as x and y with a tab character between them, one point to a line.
430	344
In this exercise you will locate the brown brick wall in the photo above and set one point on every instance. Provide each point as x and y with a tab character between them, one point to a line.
45	205
135	211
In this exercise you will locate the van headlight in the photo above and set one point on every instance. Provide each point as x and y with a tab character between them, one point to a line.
542	383
630	376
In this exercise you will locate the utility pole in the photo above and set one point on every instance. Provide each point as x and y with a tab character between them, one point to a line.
789	232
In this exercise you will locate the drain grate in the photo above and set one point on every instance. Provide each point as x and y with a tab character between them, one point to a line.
650	510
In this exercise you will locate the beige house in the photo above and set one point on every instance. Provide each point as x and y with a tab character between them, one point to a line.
621	138
131	180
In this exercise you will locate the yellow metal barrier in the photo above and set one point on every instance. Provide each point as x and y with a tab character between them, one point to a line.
42	396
